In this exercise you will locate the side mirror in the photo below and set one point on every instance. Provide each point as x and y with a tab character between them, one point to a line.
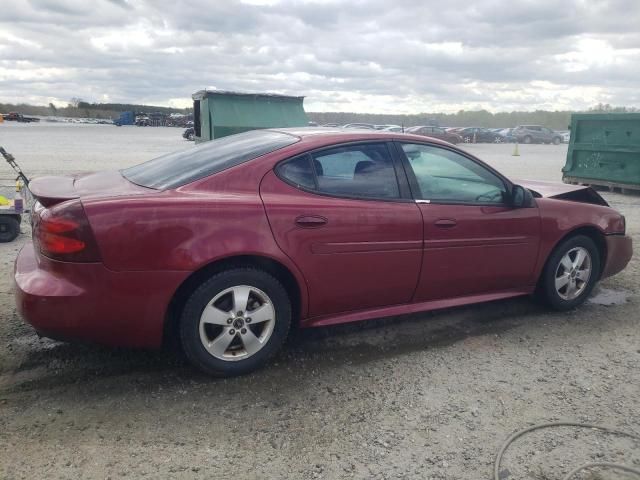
521	197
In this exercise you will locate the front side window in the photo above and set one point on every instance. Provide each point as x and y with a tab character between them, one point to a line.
361	171
444	176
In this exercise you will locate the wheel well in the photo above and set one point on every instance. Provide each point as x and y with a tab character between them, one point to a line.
273	267
594	234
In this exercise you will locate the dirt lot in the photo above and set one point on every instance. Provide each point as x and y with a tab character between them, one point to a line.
428	396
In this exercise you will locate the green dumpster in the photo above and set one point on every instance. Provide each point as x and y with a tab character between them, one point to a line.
218	113
604	150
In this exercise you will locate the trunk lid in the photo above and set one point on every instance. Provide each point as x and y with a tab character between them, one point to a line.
50	190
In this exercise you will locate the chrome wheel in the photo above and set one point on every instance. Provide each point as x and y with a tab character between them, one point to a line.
573	273
237	323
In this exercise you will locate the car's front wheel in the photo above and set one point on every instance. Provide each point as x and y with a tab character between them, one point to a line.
235	322
571	272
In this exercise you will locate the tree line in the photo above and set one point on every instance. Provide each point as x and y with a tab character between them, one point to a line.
77	108
558	120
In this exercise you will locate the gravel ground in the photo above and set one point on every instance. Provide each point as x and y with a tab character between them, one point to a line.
428	396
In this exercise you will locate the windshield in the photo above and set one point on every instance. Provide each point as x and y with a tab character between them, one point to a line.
179	168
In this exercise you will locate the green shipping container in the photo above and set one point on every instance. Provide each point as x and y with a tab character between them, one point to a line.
218	113
604	150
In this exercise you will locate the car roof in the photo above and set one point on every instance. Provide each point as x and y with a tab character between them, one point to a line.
329	135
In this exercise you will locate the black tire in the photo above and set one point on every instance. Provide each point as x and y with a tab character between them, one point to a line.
548	291
527	139
9	228
192	345
557	140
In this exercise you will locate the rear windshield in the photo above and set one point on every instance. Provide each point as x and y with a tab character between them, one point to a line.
179	168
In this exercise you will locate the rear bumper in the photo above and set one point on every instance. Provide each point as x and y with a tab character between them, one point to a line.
86	301
619	252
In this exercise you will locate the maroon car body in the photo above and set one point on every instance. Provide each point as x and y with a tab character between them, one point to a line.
341	258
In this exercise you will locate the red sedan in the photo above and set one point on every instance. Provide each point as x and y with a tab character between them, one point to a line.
228	244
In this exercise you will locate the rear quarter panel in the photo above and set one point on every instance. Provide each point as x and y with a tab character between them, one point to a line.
188	228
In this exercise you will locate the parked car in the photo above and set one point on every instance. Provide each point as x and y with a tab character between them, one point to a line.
366	126
225	246
330	125
566	136
507	135
18	117
479	135
536	134
142	121
388	128
435	132
189	133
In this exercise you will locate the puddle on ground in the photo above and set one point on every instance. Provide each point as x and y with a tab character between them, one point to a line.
607	297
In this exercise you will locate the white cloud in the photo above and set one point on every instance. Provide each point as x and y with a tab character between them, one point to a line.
402	56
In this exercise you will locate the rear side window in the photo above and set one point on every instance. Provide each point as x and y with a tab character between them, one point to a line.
179	168
360	171
298	171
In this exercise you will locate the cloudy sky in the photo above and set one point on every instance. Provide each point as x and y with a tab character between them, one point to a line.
386	56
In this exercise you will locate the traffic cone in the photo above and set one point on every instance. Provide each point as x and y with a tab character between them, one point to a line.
516	152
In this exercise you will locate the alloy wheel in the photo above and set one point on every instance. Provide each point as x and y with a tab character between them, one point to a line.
237	323
573	273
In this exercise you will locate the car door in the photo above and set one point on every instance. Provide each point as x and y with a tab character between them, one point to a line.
537	134
345	216
474	242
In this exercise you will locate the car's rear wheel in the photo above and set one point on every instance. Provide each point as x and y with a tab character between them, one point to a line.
571	272
557	140
528	139
235	322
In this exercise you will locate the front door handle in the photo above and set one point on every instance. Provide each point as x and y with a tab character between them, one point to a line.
445	223
311	221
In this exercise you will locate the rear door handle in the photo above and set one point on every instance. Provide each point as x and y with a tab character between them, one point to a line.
445	223
311	221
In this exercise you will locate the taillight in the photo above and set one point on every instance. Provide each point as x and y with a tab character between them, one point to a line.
62	232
